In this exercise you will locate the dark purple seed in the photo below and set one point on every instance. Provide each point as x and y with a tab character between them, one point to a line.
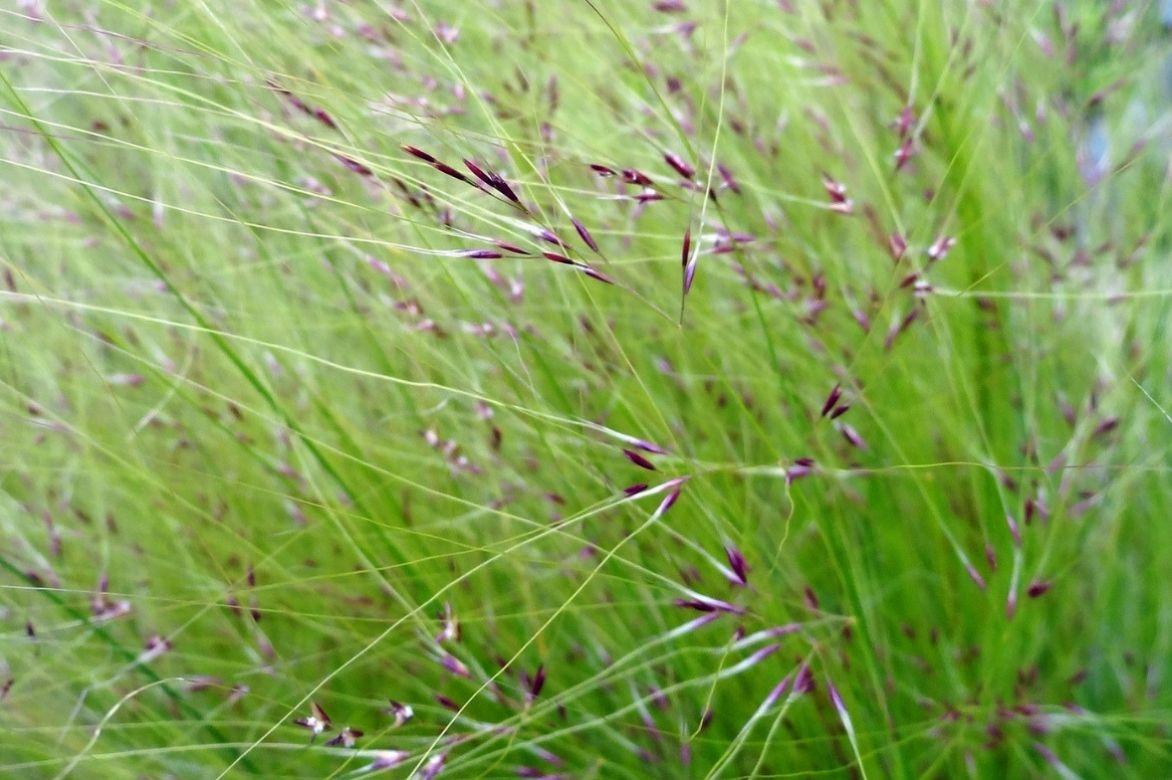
839	411
740	567
596	274
503	188
677	163
478	172
686	252
897	245
355	166
637	177
554	256
422	155
696	604
585	234
1108	425
639	460
448	170
537	682
1037	588
729	181
505	245
804	681
602	170
831	400
903	154
636	489
322	116
550	237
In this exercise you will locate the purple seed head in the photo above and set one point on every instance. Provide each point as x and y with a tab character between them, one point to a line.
585	234
512	248
537	682
434	765
594	273
637	177
853	437
400	712
646	446
686	252
905	122
729	181
422	155
355	166
669	502
347	738
991	557
321	115
804	681
832	399
904	153
639	460
678	164
836	191
897	246
736	560
706	604
448	170
1037	588
835	698
503	188
974	575
1013	529
455	666
940	248
763	653
636	489
777	691
478	172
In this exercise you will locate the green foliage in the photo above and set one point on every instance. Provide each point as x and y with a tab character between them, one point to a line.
282	402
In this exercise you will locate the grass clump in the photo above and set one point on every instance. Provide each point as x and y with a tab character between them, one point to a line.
585	389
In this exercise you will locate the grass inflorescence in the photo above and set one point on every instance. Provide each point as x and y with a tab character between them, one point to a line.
585	389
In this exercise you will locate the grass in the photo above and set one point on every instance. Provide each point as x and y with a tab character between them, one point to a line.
841	448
